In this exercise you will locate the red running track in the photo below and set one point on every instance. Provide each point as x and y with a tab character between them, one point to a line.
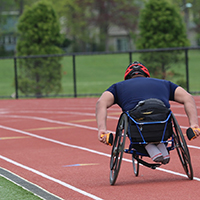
53	144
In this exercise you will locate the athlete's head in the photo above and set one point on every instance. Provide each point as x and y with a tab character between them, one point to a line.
136	68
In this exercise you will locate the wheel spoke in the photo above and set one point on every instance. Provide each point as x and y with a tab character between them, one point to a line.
118	148
182	149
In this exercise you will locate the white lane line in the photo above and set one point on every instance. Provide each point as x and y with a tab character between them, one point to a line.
67	112
166	170
85	149
72	113
73	124
194	147
51	121
51	178
182	115
53	112
51	140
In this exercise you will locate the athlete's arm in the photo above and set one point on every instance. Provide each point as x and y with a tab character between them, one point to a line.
105	101
183	97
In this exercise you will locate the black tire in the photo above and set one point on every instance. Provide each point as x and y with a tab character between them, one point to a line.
118	147
135	165
182	149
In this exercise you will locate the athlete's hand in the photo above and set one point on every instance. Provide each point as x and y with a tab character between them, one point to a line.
193	132
196	131
102	139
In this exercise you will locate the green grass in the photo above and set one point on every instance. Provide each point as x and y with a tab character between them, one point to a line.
7	77
194	70
10	191
95	73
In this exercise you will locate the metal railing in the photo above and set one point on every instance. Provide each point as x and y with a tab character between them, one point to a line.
75	56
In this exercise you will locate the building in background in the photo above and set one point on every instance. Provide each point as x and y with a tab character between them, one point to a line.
8	31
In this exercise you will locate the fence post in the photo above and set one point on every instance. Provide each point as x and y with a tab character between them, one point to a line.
130	57
74	75
16	80
187	71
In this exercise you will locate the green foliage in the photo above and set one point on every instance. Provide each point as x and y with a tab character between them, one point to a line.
74	14
39	32
4	53
196	19
88	21
182	83
161	26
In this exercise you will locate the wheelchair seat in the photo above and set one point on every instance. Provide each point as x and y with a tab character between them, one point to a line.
149	121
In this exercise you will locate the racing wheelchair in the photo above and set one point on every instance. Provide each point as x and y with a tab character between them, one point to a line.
149	122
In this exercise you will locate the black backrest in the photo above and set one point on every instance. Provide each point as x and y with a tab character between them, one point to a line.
150	110
147	111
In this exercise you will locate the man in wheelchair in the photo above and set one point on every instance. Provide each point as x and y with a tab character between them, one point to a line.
138	89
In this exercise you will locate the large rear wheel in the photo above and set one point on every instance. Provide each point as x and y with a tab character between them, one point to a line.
118	147
182	149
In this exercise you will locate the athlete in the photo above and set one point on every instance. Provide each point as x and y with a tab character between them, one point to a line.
137	86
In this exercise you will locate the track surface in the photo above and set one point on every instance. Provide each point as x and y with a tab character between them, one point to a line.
53	144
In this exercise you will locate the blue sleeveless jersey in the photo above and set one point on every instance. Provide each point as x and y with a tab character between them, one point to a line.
129	92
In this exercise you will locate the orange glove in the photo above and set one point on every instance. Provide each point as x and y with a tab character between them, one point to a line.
109	138
191	133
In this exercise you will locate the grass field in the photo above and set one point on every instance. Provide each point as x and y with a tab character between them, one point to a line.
95	73
10	191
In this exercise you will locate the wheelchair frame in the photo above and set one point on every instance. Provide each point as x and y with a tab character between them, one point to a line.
177	141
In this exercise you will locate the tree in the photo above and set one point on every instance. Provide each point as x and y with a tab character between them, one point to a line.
88	21
196	18
22	3
161	26
74	14
123	14
39	34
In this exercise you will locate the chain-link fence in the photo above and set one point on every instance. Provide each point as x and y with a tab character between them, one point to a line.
89	74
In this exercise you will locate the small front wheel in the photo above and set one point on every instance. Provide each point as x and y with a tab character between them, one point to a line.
135	165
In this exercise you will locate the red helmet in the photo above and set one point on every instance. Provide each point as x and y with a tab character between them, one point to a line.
136	68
